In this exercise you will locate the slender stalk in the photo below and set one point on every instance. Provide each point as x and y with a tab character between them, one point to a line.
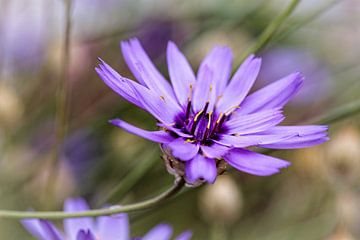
338	113
311	17
178	185
64	86
270	30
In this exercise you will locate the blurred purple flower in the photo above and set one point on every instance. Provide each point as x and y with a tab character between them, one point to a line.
23	34
102	228
155	33
280	61
205	120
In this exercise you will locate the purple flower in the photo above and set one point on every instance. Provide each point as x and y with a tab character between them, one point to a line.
206	120
102	228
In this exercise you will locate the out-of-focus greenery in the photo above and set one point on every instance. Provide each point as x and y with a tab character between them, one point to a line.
316	198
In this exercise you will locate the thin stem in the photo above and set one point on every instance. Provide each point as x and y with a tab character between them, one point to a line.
338	113
294	27
178	185
64	86
271	29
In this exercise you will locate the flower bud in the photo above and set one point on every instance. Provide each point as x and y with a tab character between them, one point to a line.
222	201
343	155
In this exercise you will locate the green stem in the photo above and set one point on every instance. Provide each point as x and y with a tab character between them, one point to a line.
271	29
294	27
338	113
178	185
63	88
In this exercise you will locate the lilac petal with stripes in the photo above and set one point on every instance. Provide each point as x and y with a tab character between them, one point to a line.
114	227
184	236
181	74
254	163
159	232
85	235
50	230
201	168
215	150
203	90
155	105
219	60
117	83
239	85
73	225
251	140
303	136
183	150
253	123
155	136
41	230
275	95
135	56
175	130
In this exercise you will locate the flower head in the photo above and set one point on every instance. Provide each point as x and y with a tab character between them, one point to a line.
207	121
86	228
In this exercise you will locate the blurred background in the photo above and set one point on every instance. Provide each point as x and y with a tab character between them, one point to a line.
318	197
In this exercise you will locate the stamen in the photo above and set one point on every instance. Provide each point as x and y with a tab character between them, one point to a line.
219	118
163	98
190	140
190	92
231	110
219	122
198	115
208	126
188	108
206	106
209	121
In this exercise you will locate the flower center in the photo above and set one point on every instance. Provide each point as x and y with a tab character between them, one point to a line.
203	125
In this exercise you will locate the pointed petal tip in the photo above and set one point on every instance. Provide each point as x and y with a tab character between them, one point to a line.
114	121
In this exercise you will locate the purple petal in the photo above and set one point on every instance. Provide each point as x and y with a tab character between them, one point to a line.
114	227
175	130
144	70
159	232
219	60
73	225
201	168
184	236
155	136
85	235
239	85
183	150
215	150
50	230
251	140
181	74
254	163
204	90
275	95
303	136
253	123
298	142
297	130
157	106
117	83
39	229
